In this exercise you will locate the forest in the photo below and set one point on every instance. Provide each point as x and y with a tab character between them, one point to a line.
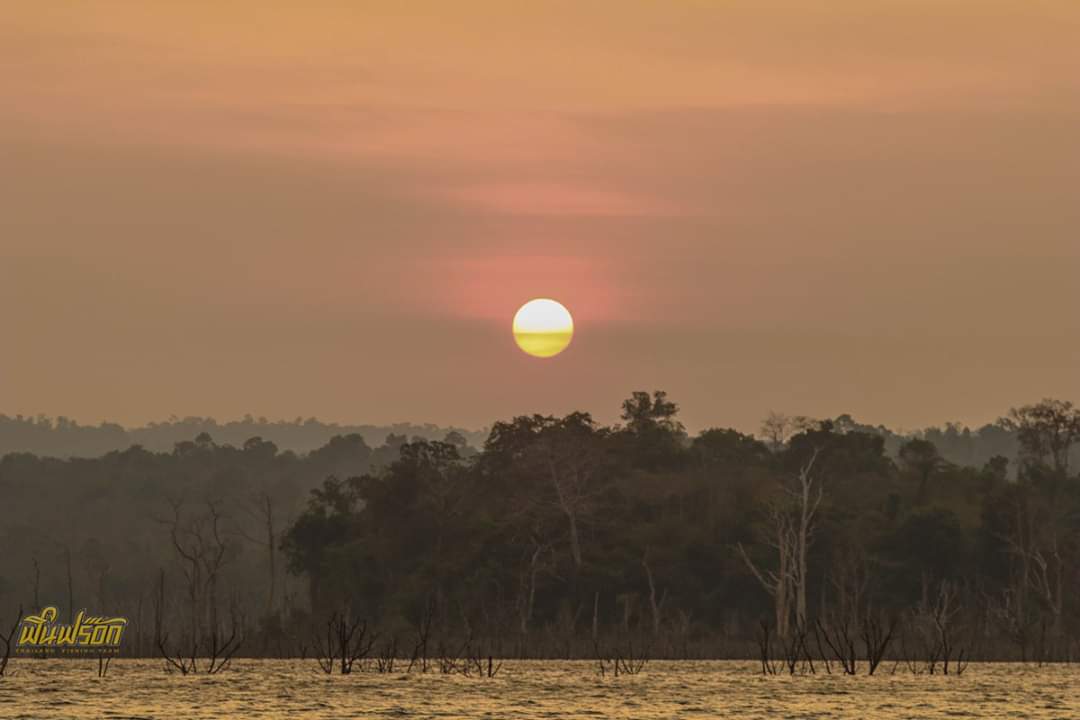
64	437
564	537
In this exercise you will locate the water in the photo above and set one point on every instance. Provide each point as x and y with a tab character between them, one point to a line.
530	689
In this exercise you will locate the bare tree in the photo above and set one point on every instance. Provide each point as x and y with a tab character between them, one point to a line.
623	658
779	582
7	639
808	499
877	633
571	460
261	510
1049	580
423	628
387	657
347	640
1045	571
1038	540
527	581
937	634
849	578
655	606
559	463
200	543
793	520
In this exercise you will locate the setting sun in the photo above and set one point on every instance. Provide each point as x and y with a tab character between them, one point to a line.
543	327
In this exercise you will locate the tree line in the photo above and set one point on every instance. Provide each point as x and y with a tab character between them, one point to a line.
564	537
64	437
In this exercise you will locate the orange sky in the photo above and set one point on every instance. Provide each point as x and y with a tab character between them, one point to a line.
333	209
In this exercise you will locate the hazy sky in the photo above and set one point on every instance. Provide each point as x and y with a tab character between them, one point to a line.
334	209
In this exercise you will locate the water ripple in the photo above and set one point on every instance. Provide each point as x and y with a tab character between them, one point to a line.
291	689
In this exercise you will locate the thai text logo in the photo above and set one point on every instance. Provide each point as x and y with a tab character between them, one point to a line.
42	632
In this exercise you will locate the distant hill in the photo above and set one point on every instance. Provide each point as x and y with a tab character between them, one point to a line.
62	438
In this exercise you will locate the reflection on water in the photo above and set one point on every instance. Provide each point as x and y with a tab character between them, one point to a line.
530	689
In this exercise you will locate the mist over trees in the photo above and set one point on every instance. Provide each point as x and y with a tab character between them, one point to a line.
63	437
556	535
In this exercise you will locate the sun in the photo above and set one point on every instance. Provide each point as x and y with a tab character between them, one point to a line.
543	327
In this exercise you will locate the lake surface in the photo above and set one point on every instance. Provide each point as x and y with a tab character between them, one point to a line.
293	689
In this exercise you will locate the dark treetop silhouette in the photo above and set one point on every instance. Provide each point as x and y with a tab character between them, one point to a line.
561	536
